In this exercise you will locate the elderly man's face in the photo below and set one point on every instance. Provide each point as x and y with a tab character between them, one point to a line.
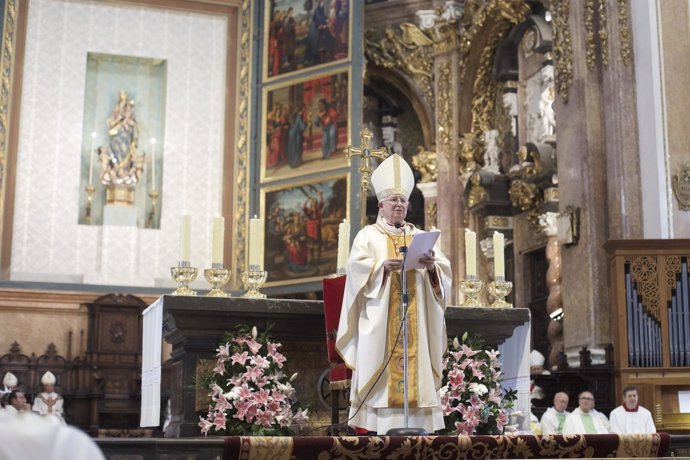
394	208
560	402
586	401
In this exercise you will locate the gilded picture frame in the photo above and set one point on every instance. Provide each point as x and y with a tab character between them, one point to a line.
301	228
305	126
303	35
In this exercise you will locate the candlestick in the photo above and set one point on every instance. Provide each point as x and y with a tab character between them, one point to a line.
255	232
185	237
499	253
91	154
470	253
343	246
218	241
153	164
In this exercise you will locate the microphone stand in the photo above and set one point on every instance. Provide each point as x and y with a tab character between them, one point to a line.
404	302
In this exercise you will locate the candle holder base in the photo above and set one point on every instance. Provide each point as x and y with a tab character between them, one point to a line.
217	278
183	276
499	290
471	288
253	280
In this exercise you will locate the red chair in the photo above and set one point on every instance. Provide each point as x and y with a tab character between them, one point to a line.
339	375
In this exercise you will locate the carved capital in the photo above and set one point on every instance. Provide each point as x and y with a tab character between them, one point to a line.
425	162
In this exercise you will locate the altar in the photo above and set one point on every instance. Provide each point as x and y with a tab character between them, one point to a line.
195	325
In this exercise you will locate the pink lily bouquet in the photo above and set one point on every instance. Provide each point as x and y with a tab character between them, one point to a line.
471	397
250	391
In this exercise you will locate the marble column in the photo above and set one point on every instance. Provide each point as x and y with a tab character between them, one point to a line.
430	192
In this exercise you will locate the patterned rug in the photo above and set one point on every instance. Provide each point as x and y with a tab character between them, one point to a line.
445	447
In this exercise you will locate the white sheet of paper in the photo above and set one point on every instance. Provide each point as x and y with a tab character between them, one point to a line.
684	402
422	243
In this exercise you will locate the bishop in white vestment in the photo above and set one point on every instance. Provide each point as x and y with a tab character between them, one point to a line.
370	319
48	402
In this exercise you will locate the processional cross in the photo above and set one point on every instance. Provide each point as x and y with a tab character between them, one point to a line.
365	152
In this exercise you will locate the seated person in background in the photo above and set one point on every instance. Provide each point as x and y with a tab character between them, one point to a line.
631	418
27	436
585	419
48	402
536	364
9	383
554	418
16	403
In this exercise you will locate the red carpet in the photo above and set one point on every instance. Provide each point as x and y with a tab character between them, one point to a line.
445	447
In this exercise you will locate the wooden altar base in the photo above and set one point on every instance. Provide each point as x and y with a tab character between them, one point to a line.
430	447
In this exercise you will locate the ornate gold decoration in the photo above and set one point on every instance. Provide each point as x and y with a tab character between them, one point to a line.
477	194
624	33
484	91
445	33
253	280
470	155
444	116
526	197
242	154
183	275
425	163
672	267
9	29
645	273
431	212
590	42
681	188
407	49
603	34
562	47
471	288
499	290
498	222
551	195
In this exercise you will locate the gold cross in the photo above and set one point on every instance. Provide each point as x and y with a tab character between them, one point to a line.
365	152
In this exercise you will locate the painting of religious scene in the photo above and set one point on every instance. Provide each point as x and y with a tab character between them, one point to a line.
301	229
305	33
305	127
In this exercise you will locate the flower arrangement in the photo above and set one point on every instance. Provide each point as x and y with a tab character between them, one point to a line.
250	391
471	397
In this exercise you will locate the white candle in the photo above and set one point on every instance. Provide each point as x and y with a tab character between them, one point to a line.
499	259
218	240
343	245
91	155
153	164
470	253
255	233
185	237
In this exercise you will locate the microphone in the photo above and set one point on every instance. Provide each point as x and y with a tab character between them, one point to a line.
403	249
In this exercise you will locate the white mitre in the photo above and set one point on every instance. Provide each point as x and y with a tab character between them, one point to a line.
393	177
48	378
10	380
536	358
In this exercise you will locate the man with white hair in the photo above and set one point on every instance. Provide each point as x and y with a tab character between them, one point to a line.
48	402
554	418
370	319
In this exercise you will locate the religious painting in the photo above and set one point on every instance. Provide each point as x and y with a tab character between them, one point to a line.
301	229
304	34
305	126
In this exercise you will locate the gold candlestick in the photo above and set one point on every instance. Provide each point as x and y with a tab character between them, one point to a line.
152	213
90	189
217	276
499	289
183	274
253	280
471	287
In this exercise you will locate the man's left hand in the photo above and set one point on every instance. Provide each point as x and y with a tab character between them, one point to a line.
428	260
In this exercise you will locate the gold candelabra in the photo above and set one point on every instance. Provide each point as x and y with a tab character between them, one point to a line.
499	289
90	189
253	279
151	217
217	276
183	274
471	287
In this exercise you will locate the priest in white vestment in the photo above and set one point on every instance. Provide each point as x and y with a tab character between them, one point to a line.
48	402
585	419
631	418
370	319
553	420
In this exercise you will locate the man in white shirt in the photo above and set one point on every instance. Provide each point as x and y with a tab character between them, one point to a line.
585	419
16	403
631	418
48	402
554	418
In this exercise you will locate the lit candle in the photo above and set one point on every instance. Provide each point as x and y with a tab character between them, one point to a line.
255	233
218	240
185	237
91	155
153	164
499	253
343	245
470	253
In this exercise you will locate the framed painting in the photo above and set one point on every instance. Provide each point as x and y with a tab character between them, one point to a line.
304	34
305	126
301	228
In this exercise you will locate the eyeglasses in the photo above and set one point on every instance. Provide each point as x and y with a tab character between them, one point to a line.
396	201
584	398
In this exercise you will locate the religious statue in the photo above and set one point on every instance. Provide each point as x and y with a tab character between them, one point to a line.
470	154
491	151
548	117
121	163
